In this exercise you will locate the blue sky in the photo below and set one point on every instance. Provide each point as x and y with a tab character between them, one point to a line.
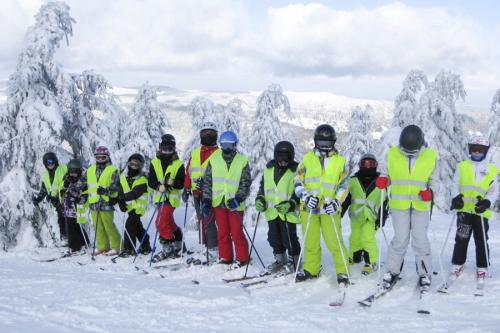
354	48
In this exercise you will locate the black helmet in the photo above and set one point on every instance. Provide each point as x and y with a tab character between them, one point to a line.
284	149
137	157
75	164
50	158
411	139
167	144
325	137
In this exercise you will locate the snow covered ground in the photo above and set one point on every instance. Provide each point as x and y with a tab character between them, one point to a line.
64	296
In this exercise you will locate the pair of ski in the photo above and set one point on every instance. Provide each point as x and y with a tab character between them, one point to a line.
384	290
261	278
446	286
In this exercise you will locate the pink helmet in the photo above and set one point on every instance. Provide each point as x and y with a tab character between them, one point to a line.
479	140
101	150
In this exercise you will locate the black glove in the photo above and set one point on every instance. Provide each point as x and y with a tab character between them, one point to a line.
113	201
482	205
199	183
102	191
123	206
186	193
457	202
53	200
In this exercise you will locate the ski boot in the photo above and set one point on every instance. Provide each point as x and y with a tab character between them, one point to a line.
389	280
238	264
167	251
213	255
424	283
305	275
145	249
368	269
343	280
279	263
456	271
126	253
481	275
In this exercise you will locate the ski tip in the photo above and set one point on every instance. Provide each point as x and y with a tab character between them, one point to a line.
426	312
365	304
195	281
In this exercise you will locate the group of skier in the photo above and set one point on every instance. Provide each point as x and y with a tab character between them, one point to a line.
315	193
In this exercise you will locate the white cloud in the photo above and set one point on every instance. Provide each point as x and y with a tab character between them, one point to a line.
390	39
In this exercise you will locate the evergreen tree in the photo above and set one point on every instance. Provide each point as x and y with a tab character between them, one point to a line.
266	132
33	121
494	131
359	137
444	130
406	104
147	124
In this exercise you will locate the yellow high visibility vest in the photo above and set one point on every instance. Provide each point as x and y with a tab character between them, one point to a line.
275	194
196	168
174	195
140	204
225	182
471	189
405	186
105	180
56	185
363	208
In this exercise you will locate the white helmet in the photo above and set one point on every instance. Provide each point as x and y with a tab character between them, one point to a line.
208	125
479	140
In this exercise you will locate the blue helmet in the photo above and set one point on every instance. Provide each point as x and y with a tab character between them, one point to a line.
228	141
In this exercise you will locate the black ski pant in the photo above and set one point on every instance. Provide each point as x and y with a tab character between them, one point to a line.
209	227
468	225
282	236
135	232
61	221
76	235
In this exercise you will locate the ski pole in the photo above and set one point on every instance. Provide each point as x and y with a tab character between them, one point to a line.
184	230
253	240
290	243
146	232
49	229
382	197
340	244
95	234
303	245
123	233
83	235
485	245
441	267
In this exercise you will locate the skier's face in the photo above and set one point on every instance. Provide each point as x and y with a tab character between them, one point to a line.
478	152
368	164
101	159
167	149
208	137
74	174
282	159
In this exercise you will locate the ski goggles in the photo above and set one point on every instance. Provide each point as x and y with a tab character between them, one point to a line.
136	165
227	146
324	144
101	158
478	149
50	162
368	164
282	157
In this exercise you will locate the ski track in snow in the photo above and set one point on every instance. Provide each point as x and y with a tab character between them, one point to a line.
63	296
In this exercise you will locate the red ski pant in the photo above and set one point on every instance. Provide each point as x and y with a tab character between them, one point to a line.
165	222
230	230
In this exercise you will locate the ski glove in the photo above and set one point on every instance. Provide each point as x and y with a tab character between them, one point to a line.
102	191
382	182
284	207
186	193
199	183
232	204
332	207
162	188
123	206
260	204
311	201
426	194
482	205
457	202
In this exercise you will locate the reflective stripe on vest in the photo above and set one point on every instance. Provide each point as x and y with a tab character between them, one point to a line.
140	204
105	180
275	194
471	189
196	169
363	208
225	182
174	195
323	182
81	214
405	186
54	187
